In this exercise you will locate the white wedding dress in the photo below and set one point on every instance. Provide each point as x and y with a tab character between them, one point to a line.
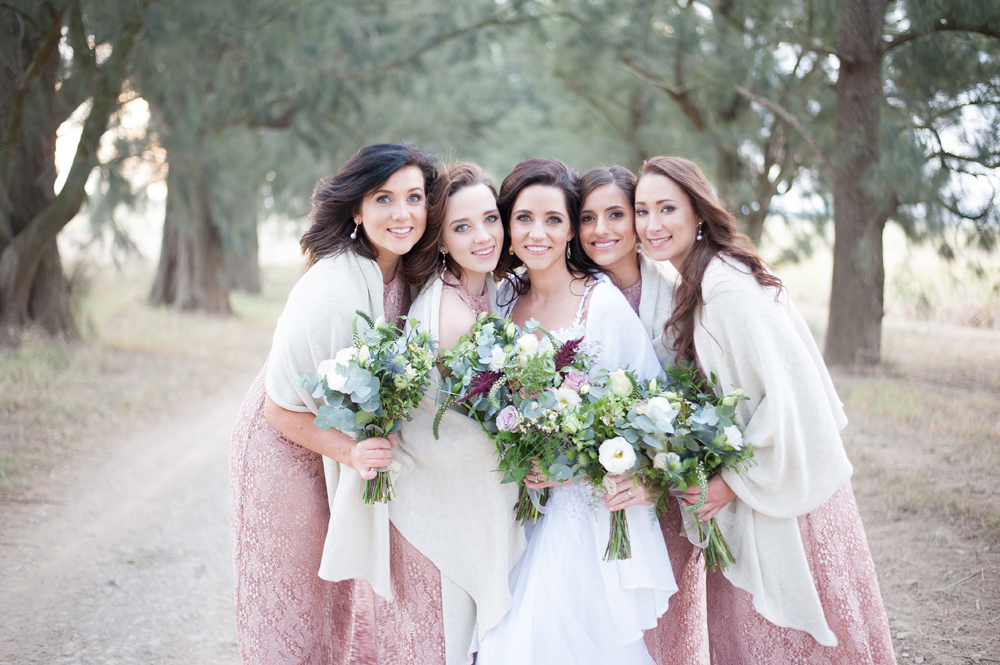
569	605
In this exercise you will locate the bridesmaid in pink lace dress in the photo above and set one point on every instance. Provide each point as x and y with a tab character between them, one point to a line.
366	218
607	232
803	588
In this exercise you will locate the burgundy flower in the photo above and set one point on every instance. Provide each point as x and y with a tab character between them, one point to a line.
481	384
567	353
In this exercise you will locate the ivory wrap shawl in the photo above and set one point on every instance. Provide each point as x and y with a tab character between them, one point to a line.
749	339
315	324
451	505
656	303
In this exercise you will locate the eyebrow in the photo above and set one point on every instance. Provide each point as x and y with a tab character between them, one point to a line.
389	191
550	212
610	207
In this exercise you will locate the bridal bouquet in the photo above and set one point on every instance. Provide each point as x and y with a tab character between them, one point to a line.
689	434
603	450
370	387
526	397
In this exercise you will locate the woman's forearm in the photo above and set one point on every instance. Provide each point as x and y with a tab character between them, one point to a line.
299	427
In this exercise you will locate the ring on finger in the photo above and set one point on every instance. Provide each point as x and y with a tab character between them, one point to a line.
629	492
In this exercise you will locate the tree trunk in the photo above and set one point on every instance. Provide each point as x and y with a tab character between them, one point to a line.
38	293
190	274
854	333
32	286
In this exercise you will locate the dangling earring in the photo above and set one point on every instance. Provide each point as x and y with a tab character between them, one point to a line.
510	250
354	233
444	265
699	231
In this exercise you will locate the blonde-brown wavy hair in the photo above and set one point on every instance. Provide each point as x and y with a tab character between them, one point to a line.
719	238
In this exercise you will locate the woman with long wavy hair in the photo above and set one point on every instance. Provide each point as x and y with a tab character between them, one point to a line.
803	588
568	604
608	236
450	503
307	551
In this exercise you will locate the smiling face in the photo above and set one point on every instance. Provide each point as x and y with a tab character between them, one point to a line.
540	227
394	216
664	219
607	228
473	233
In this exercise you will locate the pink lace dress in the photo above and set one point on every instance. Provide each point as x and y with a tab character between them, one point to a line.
478	304
844	574
679	636
279	514
410	628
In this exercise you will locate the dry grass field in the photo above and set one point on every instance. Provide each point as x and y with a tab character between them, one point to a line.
924	434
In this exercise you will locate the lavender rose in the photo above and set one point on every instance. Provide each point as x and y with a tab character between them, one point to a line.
574	380
507	418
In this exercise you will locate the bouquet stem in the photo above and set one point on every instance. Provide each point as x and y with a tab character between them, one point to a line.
525	509
619	547
379	488
717	554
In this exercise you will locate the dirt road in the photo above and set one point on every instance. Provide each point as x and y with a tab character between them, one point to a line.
124	555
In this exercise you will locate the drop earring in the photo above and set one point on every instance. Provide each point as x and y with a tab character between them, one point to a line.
699	231
510	250
444	265
354	233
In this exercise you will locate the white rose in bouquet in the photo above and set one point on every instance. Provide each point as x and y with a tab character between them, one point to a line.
660	461
734	436
527	344
616	455
497	359
328	369
619	384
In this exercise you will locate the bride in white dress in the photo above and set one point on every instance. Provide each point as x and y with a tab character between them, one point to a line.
568	604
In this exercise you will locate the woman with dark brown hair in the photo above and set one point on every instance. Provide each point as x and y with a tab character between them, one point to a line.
568	604
608	236
450	503
803	587
297	515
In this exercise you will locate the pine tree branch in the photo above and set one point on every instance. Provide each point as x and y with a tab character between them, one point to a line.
788	117
680	95
944	25
23	14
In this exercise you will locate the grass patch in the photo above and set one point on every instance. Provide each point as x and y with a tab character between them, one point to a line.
135	360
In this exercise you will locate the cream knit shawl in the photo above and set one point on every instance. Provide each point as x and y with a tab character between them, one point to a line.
315	324
451	505
656	303
751	339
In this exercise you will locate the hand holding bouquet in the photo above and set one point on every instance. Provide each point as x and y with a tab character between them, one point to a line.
370	387
689	434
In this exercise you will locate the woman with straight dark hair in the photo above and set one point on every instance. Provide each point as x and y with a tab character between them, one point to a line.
568	604
305	546
803	587
608	236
